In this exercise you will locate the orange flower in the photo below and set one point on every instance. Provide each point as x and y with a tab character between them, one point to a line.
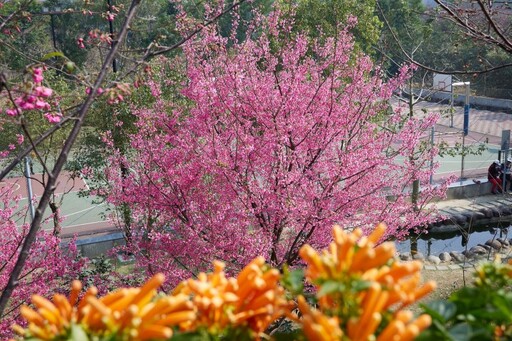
356	261
132	313
253	299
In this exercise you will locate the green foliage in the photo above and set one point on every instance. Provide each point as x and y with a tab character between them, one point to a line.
406	32
27	34
325	18
99	269
480	312
232	334
293	280
459	149
246	13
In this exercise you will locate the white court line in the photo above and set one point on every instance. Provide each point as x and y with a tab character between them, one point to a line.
84	210
57	194
92	222
14	184
84	224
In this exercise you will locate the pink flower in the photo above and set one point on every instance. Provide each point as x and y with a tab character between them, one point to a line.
20	138
93	34
11	147
11	112
80	43
37	78
37	75
53	117
42	105
100	91
43	91
105	38
27	106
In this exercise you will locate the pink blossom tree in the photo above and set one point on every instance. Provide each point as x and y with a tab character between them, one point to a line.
283	138
49	267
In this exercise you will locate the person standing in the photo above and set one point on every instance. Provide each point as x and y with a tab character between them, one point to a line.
506	175
494	177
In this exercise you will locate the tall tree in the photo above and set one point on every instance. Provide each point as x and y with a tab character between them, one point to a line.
471	39
486	24
323	19
279	144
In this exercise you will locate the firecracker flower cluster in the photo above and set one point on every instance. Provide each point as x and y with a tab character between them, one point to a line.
360	293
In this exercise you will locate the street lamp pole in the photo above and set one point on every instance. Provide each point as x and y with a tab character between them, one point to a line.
451	106
30	194
51	13
465	129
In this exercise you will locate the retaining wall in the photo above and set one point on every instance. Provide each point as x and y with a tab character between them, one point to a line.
468	189
95	246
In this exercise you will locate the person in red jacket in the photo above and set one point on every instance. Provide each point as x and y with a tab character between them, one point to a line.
494	177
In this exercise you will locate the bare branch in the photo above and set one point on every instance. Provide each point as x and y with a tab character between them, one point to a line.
474	33
59	164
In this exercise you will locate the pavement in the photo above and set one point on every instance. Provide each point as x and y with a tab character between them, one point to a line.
82	216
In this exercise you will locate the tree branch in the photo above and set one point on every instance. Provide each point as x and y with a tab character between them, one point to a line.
61	160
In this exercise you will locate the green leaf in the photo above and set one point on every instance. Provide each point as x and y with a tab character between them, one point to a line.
504	306
293	280
330	287
78	333
53	54
440	310
294	335
461	332
360	285
193	336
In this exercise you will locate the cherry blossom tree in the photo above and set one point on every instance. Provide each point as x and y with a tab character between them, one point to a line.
35	276
281	138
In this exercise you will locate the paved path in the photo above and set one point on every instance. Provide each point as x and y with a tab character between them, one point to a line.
483	124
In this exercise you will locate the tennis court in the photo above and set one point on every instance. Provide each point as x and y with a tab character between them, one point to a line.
81	216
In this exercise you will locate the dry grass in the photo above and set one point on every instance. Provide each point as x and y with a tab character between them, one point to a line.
447	281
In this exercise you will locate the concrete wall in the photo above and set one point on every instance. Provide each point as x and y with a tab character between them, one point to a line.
98	245
468	189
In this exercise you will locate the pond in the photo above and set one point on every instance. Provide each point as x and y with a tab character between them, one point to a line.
435	243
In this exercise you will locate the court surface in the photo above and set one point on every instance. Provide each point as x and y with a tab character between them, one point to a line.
81	215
